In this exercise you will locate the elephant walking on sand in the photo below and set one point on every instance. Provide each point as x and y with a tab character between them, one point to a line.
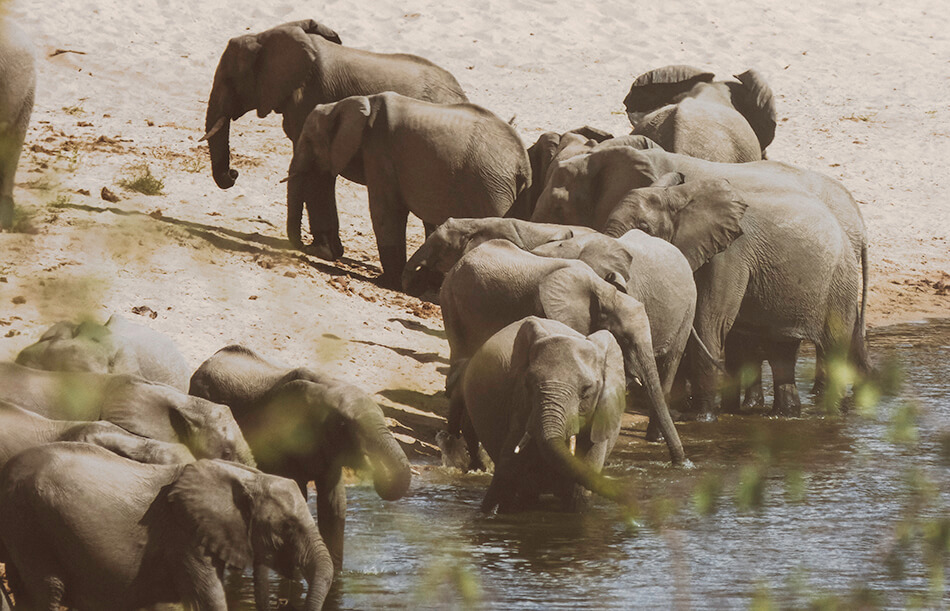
307	427
683	110
529	390
497	283
83	527
795	267
17	85
436	161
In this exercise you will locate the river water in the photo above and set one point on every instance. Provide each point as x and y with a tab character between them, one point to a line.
836	506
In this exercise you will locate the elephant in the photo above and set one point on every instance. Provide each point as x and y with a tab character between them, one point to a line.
144	408
434	160
307	426
455	237
17	87
22	429
83	527
686	112
496	283
779	253
119	346
531	388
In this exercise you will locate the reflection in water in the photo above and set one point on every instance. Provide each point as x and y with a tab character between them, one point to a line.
433	547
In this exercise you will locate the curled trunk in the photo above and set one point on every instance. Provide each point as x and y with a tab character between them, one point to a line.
412	273
614	229
646	368
218	133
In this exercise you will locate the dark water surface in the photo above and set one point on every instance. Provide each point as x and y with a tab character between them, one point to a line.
427	550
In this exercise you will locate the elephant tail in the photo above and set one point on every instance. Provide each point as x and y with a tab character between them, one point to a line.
859	346
705	350
523	206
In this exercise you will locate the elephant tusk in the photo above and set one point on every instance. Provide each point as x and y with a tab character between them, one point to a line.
574	445
523	443
214	129
638	381
285	179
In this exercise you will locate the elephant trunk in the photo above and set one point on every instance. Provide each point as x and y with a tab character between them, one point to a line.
643	362
392	473
261	585
217	132
614	228
412	273
317	569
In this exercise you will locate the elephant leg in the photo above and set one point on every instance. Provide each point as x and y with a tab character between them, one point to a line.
331	515
389	217
472	445
11	144
820	372
199	582
753	397
594	455
743	365
323	217
782	357
429	227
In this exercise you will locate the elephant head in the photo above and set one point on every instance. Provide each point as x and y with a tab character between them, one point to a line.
607	257
258	72
701	218
577	297
331	138
572	385
157	411
65	346
244	517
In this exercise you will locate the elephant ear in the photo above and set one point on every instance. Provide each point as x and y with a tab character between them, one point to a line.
309	26
284	64
754	100
348	120
565	296
609	259
541	154
528	335
659	87
707	215
612	400
215	500
591	133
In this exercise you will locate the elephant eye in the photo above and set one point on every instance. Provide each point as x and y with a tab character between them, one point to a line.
644	227
227	454
586	391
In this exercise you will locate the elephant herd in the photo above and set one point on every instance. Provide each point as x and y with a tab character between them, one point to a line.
575	276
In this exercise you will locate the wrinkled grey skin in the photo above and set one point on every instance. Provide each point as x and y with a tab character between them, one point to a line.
17	85
21	429
436	161
496	284
119	346
727	121
791	244
290	69
333	425
530	388
652	271
83	527
445	246
144	408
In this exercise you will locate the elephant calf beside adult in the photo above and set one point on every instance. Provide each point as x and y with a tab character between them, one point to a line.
307	427
683	110
83	527
436	161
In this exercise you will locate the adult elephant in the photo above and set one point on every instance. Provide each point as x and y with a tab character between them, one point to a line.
22	429
434	160
18	75
307	426
119	346
144	408
83	527
497	283
685	111
533	386
797	270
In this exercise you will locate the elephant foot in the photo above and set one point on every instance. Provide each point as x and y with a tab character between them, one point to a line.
694	416
392	282
818	389
754	399
787	403
6	214
326	246
653	431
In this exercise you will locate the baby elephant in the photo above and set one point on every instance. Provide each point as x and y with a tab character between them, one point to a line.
83	527
529	390
307	426
434	160
119	346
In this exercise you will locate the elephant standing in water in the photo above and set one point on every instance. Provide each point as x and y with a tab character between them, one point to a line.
497	283
684	111
83	527
307	427
528	390
795	267
17	85
119	346
290	69
434	160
